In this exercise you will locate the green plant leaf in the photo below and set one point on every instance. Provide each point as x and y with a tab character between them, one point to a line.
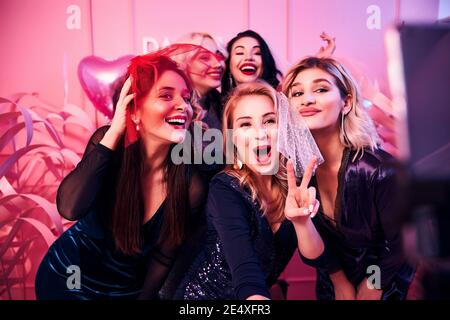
9	116
30	167
14	261
5	166
44	231
26	118
79	116
5	187
7	242
10	134
49	208
71	156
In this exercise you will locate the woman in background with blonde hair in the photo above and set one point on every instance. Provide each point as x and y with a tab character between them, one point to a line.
205	65
256	214
356	187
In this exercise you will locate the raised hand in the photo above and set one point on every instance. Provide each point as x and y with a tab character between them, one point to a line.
329	49
118	123
301	202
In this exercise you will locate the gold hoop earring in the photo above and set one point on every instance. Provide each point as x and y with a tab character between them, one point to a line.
343	127
238	165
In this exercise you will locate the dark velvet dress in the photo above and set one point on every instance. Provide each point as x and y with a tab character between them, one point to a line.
366	230
242	256
87	194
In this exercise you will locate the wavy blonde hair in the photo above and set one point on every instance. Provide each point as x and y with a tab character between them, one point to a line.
197	38
246	177
357	130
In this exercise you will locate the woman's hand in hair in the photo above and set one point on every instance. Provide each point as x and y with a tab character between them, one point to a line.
329	49
118	124
301	202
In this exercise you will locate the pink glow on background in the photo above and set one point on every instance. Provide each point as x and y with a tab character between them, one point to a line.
345	20
420	11
34	39
112	28
34	36
35	43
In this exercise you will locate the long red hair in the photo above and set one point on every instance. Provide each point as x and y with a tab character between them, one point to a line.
128	213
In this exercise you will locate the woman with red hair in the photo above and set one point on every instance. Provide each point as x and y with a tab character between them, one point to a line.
129	197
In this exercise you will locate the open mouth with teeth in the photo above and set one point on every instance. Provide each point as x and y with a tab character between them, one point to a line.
249	69
263	153
215	75
178	122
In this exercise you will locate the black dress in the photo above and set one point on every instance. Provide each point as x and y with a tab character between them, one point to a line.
242	256
366	230
212	103
87	194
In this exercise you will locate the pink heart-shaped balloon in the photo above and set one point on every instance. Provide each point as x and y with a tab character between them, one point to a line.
100	78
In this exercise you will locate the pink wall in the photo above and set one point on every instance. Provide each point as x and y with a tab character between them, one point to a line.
348	22
36	40
40	39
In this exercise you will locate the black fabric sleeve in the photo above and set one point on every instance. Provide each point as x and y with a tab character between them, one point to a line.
326	260
79	189
173	270
390	255
230	217
160	262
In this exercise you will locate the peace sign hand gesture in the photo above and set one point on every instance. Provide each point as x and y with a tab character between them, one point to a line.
301	202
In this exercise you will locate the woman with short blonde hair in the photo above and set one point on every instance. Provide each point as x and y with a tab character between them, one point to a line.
357	130
204	64
356	186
